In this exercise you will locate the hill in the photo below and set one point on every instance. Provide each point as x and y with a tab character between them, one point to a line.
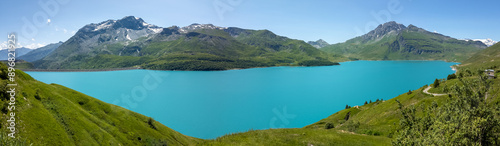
19	52
488	58
131	42
394	41
50	114
39	53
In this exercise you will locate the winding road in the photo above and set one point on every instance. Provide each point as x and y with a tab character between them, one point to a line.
426	90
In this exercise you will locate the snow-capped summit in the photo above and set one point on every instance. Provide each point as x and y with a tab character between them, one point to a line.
196	26
487	42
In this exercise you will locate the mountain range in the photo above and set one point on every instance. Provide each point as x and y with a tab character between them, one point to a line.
19	52
394	41
131	42
39	53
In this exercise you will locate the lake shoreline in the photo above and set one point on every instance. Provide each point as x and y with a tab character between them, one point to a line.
134	68
78	70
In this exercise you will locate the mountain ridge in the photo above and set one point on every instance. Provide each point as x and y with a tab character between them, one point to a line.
131	42
394	41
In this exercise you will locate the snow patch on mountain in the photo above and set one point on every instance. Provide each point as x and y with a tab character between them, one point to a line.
487	42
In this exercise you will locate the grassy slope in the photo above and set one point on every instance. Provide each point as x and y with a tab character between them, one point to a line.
488	58
50	114
299	136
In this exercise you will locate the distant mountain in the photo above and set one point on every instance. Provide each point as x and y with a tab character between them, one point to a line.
131	42
394	41
487	42
19	52
318	44
39	53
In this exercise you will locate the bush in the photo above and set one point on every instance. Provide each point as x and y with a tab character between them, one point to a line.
451	76
409	92
151	123
352	126
374	133
329	126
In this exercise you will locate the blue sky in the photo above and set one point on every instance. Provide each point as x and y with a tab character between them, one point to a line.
332	20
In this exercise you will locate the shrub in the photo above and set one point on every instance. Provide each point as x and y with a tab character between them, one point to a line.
451	76
151	123
329	126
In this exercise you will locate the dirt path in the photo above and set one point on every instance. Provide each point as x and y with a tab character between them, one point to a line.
426	91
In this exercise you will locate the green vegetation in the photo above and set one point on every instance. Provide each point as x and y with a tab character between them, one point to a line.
464	119
436	83
203	49
412	43
56	115
299	136
484	59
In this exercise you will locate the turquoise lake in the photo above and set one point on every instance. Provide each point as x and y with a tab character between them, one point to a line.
208	104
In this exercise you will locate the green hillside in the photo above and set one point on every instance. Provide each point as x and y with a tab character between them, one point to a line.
488	58
392	41
50	114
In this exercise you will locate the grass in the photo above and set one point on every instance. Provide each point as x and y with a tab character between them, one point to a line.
51	114
299	136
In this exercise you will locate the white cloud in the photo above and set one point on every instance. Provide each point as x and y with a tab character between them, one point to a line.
33	39
4	45
65	31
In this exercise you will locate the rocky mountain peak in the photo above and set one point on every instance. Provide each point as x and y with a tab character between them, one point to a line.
384	29
196	26
319	43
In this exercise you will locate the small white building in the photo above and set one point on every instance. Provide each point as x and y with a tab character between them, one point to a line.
490	73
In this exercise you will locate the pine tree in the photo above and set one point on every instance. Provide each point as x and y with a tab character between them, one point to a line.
436	83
